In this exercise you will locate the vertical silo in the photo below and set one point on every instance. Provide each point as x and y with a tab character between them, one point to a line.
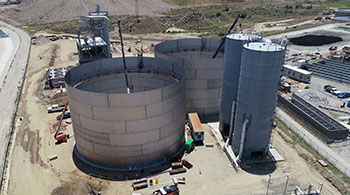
232	65
256	101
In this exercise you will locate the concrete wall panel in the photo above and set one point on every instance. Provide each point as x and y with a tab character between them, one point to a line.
127	100
196	84
149	123
165	106
134	138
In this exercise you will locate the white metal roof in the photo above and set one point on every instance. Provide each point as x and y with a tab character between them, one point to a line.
297	69
90	42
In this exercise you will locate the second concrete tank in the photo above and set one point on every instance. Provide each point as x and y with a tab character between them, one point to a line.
203	73
256	100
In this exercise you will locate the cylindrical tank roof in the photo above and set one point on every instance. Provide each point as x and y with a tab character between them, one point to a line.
121	131
263	47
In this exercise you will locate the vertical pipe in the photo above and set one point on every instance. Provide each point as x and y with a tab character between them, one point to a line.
285	187
320	190
244	128
231	122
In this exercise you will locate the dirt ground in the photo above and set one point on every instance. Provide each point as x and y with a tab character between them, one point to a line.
34	144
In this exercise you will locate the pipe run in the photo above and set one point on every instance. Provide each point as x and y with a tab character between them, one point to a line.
244	128
231	122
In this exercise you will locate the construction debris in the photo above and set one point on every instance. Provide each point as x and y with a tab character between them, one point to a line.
140	185
177	171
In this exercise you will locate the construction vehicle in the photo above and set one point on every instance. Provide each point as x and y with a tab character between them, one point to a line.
196	127
60	136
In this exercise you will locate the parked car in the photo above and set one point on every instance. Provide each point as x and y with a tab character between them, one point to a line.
55	108
344	95
66	115
167	190
333	48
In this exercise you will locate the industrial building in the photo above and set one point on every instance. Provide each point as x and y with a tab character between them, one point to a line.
342	14
203	73
296	73
232	66
93	37
261	65
55	77
118	130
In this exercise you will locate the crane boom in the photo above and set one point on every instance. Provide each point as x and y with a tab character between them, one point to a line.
128	88
228	32
61	118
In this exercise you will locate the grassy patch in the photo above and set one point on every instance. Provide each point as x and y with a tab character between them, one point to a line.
339	3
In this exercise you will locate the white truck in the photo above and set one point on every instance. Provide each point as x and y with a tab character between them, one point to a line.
331	89
55	108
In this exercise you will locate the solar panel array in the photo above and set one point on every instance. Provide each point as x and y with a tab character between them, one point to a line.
331	69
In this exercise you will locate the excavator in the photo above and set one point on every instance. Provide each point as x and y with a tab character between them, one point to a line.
60	136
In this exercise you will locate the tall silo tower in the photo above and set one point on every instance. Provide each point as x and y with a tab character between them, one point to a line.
232	66
256	101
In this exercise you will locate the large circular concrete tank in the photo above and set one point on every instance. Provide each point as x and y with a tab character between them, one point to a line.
256	100
203	73
117	130
232	66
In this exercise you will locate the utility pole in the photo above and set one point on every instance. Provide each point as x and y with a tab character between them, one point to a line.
285	187
137	8
137	13
268	185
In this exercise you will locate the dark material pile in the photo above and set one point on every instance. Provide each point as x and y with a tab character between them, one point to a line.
315	40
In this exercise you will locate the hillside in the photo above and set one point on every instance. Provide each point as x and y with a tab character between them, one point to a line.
52	11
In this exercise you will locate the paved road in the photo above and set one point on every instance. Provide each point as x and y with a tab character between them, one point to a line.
6	50
12	74
319	146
